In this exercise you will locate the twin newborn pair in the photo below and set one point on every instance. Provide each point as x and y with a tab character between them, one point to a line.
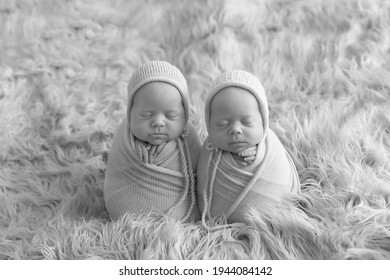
158	164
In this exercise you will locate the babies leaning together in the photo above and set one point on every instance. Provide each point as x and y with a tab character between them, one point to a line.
158	164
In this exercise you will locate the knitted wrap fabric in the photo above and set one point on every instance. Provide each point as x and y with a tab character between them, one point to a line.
225	188
158	71
138	182
132	185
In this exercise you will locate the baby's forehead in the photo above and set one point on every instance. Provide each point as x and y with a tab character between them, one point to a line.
233	94
157	96
234	101
159	90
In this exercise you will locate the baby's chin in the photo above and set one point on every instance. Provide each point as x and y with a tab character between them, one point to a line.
236	148
156	141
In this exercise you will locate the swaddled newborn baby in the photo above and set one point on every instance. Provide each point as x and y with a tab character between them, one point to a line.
237	119
152	162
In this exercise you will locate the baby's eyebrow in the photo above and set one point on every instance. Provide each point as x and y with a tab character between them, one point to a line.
172	111
145	112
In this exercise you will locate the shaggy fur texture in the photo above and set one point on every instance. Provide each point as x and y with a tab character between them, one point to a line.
64	66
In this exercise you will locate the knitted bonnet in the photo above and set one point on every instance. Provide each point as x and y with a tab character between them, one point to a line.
244	80
158	71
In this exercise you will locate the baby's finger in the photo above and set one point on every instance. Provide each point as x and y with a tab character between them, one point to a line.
246	153
241	163
249	159
139	151
144	155
153	150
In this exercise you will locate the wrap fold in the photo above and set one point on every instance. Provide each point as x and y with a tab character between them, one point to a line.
230	190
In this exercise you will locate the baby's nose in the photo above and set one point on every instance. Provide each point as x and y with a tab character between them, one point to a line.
235	129
158	122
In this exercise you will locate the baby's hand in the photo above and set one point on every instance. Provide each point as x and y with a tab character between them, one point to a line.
140	150
247	156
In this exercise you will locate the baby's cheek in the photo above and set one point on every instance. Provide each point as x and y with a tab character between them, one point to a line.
221	140
257	135
175	127
139	129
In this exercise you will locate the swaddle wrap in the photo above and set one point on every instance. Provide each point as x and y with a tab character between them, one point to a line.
138	182
135	186
227	189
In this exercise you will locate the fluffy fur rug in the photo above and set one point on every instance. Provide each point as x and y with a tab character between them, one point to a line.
64	66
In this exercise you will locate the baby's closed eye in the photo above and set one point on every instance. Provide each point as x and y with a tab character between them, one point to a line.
247	121
171	115
145	114
221	123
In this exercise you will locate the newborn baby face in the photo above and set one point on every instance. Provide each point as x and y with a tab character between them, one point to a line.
157	114
235	120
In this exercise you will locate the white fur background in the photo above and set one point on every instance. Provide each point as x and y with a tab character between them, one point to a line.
64	66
